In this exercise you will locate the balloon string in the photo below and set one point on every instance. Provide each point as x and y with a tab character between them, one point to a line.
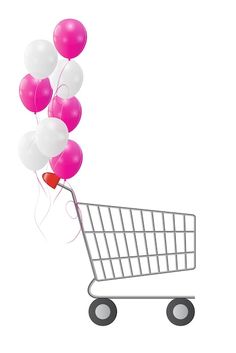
48	197
38	224
59	78
80	214
48	210
37	118
35	94
36	205
55	165
40	184
35	104
58	194
55	93
77	234
58	86
35	217
62	106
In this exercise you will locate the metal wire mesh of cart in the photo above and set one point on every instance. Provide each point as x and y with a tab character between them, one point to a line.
127	242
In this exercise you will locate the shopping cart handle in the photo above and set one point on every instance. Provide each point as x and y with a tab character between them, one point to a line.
52	180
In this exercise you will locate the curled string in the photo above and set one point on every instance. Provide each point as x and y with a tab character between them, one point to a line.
48	210
58	194
35	217
80	214
77	234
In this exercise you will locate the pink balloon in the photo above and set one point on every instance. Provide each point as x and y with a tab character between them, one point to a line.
68	162
70	37
35	94
68	110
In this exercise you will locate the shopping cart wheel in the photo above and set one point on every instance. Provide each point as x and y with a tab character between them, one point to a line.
102	311
180	311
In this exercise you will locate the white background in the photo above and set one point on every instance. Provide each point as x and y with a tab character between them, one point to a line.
158	131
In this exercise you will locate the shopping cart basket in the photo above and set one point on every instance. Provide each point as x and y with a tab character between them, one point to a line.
127	242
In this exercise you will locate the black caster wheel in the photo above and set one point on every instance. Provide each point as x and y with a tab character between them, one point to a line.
180	311
102	311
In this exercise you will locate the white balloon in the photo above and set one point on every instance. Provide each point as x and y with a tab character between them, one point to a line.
40	58
29	153
51	136
67	79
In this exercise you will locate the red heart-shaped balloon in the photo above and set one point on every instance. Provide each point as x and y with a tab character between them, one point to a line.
51	179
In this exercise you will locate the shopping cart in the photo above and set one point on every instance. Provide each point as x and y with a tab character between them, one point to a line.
127	242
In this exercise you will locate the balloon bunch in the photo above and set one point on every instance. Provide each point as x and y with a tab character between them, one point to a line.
54	83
